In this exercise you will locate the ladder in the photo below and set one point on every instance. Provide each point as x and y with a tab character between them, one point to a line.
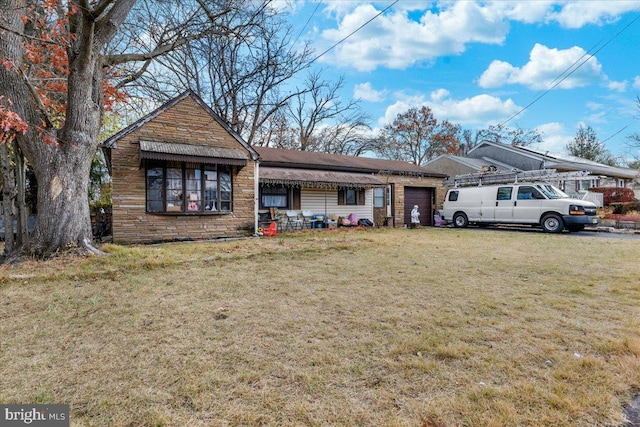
511	177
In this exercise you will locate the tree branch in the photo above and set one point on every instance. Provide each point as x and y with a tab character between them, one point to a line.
27	36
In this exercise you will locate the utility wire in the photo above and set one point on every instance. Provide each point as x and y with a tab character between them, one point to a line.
602	142
569	71
354	31
307	23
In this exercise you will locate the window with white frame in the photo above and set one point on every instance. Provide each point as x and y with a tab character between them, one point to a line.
378	197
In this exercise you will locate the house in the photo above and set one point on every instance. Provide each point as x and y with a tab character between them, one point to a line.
181	173
383	191
509	157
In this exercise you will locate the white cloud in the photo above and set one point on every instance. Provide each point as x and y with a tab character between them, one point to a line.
636	82
554	138
402	37
617	86
544	68
366	92
397	41
577	14
480	110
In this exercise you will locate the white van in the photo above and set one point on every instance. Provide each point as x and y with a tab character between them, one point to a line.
534	203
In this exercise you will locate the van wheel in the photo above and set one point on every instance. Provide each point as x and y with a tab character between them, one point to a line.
552	223
460	220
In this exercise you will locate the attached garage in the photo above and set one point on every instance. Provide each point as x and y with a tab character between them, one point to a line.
423	197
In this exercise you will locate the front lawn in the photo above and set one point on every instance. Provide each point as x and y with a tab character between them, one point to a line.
433	327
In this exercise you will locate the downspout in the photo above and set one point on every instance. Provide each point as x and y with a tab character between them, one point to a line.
256	196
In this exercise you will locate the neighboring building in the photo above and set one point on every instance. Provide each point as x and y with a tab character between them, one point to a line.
181	173
508	157
451	165
384	191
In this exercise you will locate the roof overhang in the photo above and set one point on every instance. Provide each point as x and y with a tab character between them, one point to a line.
317	178
150	150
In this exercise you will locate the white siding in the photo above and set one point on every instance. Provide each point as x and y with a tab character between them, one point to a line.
315	200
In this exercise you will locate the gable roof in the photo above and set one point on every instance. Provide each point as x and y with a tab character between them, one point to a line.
283	158
469	162
111	142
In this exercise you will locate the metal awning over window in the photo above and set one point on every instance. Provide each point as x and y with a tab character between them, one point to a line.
317	178
192	153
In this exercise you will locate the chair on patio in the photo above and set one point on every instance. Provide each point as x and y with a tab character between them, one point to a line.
293	222
307	219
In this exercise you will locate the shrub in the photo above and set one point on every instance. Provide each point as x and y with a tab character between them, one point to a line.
625	208
615	194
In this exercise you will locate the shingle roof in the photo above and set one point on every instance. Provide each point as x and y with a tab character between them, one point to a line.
279	157
316	178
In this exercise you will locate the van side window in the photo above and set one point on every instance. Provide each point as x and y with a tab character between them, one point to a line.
504	193
453	196
528	193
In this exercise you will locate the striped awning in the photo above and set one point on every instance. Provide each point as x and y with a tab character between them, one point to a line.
192	153
317	178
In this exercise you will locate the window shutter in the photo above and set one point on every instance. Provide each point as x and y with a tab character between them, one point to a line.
361	196
341	196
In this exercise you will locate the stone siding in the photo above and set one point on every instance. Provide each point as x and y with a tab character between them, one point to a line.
186	122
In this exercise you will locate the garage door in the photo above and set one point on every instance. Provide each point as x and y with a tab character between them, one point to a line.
421	196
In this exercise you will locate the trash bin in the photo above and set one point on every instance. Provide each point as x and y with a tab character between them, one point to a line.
318	221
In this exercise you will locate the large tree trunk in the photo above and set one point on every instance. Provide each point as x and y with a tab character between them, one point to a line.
63	220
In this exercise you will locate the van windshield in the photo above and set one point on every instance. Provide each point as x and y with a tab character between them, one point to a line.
552	192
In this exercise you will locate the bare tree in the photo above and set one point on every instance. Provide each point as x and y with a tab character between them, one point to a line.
324	122
512	136
240	76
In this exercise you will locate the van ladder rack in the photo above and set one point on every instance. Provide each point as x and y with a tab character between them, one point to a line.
510	177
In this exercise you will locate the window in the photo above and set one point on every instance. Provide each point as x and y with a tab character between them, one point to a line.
453	196
504	193
586	184
351	196
378	197
188	187
274	197
529	193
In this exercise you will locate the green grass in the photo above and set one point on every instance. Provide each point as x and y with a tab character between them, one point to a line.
433	327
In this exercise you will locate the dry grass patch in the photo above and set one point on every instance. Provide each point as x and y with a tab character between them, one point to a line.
439	327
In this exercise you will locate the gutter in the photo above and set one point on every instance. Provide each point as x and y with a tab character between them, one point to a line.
256	196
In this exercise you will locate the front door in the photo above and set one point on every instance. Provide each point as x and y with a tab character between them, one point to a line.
528	205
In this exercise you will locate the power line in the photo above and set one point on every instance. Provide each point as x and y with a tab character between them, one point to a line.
569	71
307	23
602	142
355	31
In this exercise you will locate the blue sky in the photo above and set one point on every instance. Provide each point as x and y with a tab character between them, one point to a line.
480	63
